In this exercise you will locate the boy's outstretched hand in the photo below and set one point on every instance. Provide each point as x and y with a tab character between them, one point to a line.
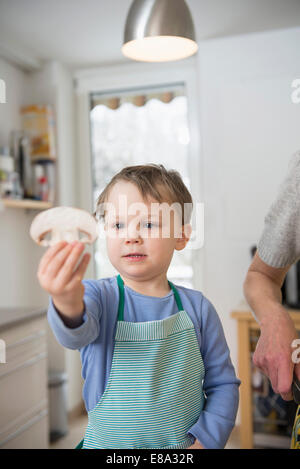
57	276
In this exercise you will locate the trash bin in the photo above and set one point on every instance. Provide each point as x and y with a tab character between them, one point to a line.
57	384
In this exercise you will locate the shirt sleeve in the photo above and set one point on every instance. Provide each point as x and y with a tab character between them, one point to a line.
78	337
220	383
279	245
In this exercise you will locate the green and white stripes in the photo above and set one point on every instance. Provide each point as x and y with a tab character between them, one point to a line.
152	330
154	392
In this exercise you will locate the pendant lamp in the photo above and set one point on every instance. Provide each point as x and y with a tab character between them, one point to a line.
159	31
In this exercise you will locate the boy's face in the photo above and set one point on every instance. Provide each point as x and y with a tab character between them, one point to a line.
134	225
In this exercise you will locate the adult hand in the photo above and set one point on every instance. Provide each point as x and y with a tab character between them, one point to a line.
273	354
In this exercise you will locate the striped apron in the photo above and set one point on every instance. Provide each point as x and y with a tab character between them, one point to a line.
154	392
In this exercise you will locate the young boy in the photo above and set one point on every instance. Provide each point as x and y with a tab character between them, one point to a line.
154	357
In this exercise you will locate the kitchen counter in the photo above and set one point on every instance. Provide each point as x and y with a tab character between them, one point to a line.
10	316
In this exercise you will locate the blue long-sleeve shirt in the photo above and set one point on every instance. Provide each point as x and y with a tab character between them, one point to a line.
95	340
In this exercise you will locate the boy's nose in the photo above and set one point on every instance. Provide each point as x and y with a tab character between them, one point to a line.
133	234
133	240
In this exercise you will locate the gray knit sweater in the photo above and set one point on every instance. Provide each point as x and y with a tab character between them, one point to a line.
279	244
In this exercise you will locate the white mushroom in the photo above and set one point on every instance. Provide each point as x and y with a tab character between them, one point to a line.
63	223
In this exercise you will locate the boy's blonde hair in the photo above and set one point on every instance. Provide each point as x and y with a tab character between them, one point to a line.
155	181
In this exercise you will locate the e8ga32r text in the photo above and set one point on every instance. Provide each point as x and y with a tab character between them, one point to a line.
180	458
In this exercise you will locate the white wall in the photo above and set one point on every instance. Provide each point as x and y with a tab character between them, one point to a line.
249	129
19	256
15	89
54	84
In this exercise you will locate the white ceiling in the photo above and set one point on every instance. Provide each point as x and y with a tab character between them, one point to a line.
84	33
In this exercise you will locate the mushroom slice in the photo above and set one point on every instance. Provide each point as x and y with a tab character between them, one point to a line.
63	224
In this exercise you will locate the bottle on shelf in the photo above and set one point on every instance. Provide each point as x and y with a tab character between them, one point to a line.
43	190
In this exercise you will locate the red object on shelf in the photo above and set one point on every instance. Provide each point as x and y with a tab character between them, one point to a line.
43	181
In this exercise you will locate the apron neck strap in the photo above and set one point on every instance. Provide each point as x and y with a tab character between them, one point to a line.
121	297
177	297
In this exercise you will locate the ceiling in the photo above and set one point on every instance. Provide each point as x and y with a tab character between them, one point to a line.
84	33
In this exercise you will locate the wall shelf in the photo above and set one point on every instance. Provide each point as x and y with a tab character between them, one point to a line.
26	203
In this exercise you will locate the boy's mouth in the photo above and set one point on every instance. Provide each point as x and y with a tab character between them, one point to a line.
135	256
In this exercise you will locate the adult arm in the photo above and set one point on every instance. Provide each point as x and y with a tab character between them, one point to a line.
273	354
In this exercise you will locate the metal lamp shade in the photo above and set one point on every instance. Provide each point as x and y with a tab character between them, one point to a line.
159	31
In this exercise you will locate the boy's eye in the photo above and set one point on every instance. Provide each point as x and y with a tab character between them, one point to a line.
150	224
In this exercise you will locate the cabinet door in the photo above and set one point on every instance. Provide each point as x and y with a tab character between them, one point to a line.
32	435
23	382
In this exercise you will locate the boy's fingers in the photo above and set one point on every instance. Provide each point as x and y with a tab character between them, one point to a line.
62	267
80	271
52	269
49	254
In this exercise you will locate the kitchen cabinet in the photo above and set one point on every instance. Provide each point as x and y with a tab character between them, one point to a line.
23	379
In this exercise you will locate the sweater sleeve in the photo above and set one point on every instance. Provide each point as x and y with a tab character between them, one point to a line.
279	245
88	331
220	385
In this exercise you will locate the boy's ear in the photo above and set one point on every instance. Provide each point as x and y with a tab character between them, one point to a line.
186	232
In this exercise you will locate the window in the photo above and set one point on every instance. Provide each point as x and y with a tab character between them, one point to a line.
140	126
